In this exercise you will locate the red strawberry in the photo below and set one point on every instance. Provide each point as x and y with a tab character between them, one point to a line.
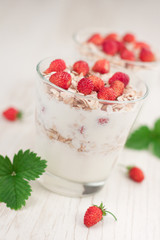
118	87
97	82
121	46
81	67
61	79
96	39
103	121
106	93
113	36
135	173
110	47
129	37
146	55
102	66
12	114
57	65
127	54
123	77
141	45
94	214
85	86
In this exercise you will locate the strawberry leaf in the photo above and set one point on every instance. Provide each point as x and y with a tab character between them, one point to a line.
156	147
6	167
140	139
14	191
27	165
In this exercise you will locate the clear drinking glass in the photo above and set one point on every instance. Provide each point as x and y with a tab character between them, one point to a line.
81	137
148	71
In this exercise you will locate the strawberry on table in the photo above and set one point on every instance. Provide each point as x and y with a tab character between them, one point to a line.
85	86
102	66
146	55
97	82
135	173
141	45
61	79
127	54
94	214
58	65
123	77
81	67
113	36
106	93
12	114
96	39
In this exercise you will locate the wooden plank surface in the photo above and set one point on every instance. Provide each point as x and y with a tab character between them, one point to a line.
30	31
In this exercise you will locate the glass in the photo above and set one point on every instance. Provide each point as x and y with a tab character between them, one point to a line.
81	137
148	71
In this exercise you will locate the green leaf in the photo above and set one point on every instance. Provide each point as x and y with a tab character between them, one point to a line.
6	167
156	129
27	165
140	139
156	147
14	191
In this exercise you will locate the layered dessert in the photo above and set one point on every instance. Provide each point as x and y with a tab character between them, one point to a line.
83	116
125	50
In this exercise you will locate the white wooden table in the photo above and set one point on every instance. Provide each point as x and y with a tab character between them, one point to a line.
30	31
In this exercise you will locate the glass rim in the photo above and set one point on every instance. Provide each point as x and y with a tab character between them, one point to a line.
89	97
136	63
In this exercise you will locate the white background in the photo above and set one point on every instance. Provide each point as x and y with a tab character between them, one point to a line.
30	31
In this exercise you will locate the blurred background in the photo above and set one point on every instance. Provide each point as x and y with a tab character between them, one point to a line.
33	29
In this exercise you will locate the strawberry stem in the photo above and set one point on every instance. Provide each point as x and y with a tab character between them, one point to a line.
19	115
112	215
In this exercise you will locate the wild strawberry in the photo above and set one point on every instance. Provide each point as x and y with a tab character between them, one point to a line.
106	93
81	67
96	39
61	79
113	36
135	173
12	114
129	37
127	54
57	65
94	214
85	86
97	82
121	46
103	121
141	45
118	87
102	66
123	77
110	47
146	55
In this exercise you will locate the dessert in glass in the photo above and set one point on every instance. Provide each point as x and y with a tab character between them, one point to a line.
83	117
126	50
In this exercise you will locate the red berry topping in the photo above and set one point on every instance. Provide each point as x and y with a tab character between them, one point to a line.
106	93
127	55
102	66
12	114
135	173
96	39
57	65
97	82
113	36
110	47
61	79
94	214
85	86
129	37
123	77
146	55
118	87
103	121
81	67
141	45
